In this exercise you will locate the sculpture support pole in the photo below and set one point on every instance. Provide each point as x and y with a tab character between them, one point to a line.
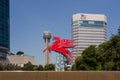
59	63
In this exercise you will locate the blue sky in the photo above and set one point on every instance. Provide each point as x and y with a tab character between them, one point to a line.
29	18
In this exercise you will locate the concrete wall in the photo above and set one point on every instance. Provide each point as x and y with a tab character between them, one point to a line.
51	75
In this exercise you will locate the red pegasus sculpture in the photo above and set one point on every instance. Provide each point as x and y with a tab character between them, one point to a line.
61	46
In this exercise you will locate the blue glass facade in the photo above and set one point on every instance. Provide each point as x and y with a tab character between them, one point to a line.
4	26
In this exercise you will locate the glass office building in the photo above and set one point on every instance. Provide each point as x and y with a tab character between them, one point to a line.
4	28
88	29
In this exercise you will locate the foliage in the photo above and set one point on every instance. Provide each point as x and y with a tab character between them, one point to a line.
19	53
109	65
35	68
40	68
74	67
49	67
1	67
87	61
106	56
28	66
9	67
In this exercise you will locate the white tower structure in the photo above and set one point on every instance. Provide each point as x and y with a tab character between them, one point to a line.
46	37
87	29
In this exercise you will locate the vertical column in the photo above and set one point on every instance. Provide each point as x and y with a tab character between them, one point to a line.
46	53
46	37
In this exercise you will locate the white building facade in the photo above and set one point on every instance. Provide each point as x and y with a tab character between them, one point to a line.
87	29
20	60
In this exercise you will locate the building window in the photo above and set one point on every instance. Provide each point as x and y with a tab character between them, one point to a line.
90	23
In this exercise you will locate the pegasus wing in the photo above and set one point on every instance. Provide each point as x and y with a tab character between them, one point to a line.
67	43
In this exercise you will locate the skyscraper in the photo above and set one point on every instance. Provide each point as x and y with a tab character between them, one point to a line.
88	29
4	28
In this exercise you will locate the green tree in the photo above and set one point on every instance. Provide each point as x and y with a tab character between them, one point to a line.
78	62
28	66
115	44
40	68
109	66
109	53
106	56
1	67
35	68
49	67
20	53
90	57
74	67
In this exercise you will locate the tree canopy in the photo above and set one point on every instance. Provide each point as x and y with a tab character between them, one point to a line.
20	53
28	66
40	68
49	67
106	56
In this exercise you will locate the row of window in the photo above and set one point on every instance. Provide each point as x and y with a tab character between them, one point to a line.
4	30
82	30
6	15
4	4
4	21
77	39
4	1
83	33
4	45
91	28
90	23
83	43
4	37
89	38
88	41
4	42
4	18
77	34
4	10
4	25
90	35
